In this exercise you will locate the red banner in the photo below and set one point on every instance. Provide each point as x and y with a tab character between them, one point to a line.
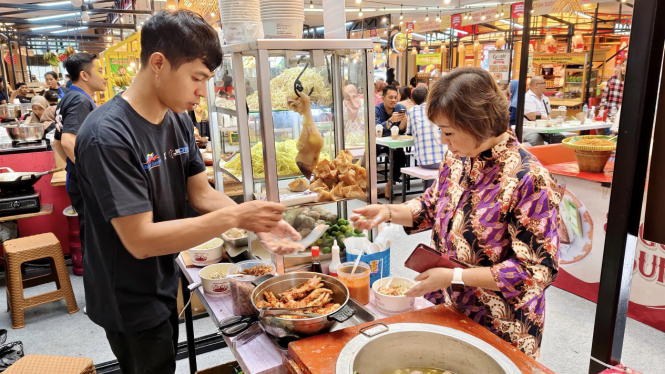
409	28
518	10
372	33
456	21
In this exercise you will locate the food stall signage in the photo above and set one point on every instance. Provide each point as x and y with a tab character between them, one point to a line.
456	21
560	58
446	22
409	27
518	10
431	25
490	14
498	62
540	7
429	59
372	33
399	42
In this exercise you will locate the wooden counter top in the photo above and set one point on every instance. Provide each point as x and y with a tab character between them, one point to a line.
59	179
318	354
44	210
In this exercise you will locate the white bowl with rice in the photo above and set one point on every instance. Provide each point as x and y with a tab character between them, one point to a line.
214	280
391	300
208	253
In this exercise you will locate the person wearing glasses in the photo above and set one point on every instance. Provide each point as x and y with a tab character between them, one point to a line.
537	106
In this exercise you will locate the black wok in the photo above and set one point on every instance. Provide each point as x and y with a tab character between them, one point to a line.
16	181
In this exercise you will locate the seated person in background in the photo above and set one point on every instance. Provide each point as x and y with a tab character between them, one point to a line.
387	114
427	136
20	93
378	91
405	97
3	98
537	106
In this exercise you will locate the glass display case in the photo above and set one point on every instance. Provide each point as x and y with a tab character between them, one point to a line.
259	110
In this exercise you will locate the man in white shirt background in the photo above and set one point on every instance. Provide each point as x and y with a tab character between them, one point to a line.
537	106
427	136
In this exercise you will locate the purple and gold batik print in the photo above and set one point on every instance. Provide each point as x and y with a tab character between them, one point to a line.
498	210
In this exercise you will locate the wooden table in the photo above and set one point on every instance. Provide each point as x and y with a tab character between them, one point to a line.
44	210
59	179
393	144
259	355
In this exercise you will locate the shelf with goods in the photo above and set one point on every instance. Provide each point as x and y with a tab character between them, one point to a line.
121	62
268	130
576	80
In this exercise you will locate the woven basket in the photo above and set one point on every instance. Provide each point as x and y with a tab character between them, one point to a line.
592	161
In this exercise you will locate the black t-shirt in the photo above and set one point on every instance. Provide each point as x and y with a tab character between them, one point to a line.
23	99
127	165
61	92
70	112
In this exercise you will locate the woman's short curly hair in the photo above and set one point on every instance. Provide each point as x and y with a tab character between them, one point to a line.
472	101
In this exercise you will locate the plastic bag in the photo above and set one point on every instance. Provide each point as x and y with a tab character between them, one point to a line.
10	352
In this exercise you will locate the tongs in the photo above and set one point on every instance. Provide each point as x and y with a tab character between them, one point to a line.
297	85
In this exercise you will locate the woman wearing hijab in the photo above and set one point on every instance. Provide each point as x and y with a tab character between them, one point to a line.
513	102
39	108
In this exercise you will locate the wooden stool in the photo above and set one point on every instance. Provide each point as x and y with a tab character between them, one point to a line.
18	251
417	172
40	364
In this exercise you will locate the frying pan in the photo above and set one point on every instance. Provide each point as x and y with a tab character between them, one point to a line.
12	180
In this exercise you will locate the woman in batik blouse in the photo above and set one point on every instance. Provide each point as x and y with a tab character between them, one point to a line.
493	208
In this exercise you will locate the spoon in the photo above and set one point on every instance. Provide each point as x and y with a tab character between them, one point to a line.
390	280
355	265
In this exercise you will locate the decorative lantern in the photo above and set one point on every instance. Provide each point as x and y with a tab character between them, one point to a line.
461	49
549	42
477	47
500	43
7	60
578	42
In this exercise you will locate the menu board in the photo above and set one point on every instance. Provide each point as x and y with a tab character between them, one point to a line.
499	62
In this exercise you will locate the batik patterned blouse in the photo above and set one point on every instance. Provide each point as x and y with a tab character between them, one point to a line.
498	210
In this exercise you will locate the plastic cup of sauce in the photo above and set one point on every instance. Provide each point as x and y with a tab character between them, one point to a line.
358	282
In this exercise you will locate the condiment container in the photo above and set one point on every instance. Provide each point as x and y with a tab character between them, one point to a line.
335	263
358	282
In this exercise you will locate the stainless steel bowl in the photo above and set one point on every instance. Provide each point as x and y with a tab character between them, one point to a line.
10	111
300	328
25	133
381	349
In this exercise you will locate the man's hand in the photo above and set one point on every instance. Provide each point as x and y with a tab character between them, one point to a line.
397	117
257	216
281	240
431	280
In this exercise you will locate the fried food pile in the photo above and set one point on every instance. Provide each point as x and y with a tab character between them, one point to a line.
339	179
309	294
257	271
596	142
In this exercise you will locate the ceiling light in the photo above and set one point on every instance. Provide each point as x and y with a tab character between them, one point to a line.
496	15
74	29
502	14
532	11
358	1
583	15
401	15
384	20
45	27
64	15
401	22
427	15
483	17
446	2
360	13
311	4
85	17
212	14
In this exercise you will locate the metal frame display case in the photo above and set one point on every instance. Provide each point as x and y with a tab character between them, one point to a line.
262	116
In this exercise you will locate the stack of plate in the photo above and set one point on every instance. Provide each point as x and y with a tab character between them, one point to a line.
282	19
241	20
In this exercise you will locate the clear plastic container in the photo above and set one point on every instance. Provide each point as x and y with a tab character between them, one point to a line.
242	287
358	282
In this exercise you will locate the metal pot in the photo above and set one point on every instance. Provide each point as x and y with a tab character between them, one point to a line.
25	133
380	349
10	111
300	328
19	181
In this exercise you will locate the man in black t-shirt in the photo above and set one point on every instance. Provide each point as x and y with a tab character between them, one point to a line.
138	163
70	113
20	93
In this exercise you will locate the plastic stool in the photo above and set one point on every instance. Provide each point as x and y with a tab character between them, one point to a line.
40	364
18	251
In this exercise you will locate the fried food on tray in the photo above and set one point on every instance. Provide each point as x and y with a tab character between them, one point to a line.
299	185
311	294
596	142
330	178
257	271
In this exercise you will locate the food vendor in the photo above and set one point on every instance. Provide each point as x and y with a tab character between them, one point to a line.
138	163
493	208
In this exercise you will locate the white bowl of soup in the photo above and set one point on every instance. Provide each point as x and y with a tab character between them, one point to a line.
390	299
214	279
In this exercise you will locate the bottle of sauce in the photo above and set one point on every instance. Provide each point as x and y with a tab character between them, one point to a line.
316	262
334	265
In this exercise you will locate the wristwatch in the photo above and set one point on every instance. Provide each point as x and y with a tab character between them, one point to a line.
458	284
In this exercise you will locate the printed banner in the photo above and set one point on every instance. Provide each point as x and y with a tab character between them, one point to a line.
498	63
429	59
372	33
456	21
399	42
409	27
491	14
559	58
540	7
431	25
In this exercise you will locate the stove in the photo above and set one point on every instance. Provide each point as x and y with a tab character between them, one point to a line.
25	147
19	202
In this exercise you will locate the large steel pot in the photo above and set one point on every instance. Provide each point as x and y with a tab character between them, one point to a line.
380	349
25	133
286	329
10	111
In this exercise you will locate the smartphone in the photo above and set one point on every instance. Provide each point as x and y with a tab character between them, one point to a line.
402	111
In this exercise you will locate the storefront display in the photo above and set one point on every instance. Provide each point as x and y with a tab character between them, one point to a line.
120	63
